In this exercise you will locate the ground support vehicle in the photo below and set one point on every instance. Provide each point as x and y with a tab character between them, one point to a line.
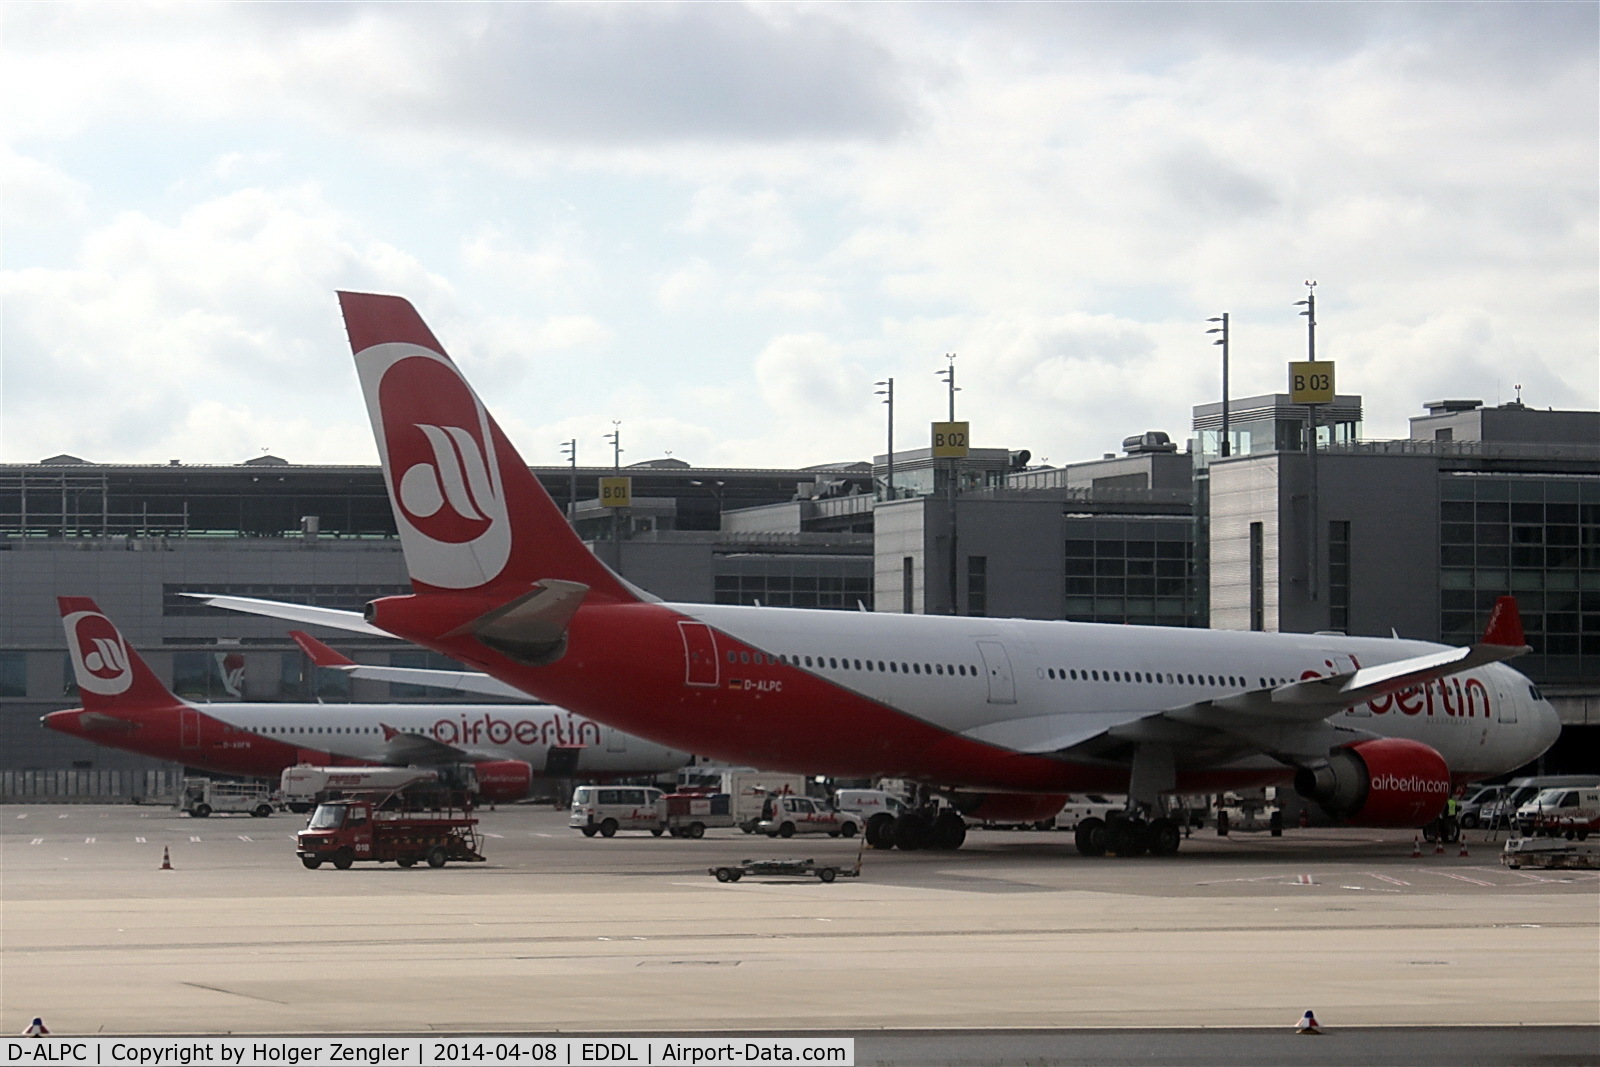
1081	806
784	869
604	810
304	786
1470	812
787	816
1550	852
1569	813
341	832
1501	814
692	814
201	797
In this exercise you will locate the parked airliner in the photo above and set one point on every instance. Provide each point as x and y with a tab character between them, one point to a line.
999	716
126	706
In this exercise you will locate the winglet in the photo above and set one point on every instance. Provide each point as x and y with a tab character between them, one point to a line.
319	653
1505	625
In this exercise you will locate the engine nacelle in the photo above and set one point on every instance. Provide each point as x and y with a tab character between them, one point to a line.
1385	782
1009	807
505	779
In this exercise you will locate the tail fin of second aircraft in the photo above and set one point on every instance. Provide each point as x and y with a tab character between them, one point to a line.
472	517
110	674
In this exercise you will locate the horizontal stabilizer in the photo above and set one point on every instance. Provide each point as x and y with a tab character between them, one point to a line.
305	614
532	629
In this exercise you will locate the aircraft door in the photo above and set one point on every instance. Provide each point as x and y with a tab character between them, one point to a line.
699	654
997	666
1504	696
188	727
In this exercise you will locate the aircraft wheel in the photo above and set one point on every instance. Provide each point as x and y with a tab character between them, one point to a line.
436	856
311	863
608	828
910	832
1126	837
343	859
1449	829
949	832
847	830
880	831
786	830
1090	837
201	811
1275	824
1222	824
1164	838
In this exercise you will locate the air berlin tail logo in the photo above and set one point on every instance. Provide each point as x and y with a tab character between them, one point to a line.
99	656
457	480
439	456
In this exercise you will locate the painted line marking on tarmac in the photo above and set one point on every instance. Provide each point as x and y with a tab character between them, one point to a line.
24	815
37	841
196	840
1464	878
488	834
139	841
544	835
88	840
243	837
1385	878
63	815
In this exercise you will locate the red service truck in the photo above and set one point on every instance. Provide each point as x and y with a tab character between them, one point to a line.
344	831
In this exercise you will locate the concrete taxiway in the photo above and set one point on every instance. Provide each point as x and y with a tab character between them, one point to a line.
630	935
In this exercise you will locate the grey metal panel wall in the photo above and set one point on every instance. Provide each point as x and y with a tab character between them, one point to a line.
1022	541
1392	505
1243	490
900	530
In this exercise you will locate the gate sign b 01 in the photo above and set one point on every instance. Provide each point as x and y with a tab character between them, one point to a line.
616	492
950	440
1311	383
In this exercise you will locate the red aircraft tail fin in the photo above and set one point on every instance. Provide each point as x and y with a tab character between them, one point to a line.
110	674
472	518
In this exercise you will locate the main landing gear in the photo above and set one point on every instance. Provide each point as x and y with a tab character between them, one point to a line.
924	827
1126	834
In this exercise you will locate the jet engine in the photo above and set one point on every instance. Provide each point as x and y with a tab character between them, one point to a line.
506	779
1385	782
1009	807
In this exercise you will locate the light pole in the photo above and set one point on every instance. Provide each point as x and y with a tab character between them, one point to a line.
887	392
615	437
1312	511
1226	449
716	491
948	376
570	450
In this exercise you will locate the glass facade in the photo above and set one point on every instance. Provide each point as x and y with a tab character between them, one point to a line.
13	674
433	661
794	581
1535	538
1131	571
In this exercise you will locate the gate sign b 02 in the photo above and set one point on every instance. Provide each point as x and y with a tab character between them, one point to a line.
1311	383
950	440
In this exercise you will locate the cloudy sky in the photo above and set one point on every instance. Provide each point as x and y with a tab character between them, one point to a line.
720	223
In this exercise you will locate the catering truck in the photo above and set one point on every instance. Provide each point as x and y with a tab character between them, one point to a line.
304	786
342	832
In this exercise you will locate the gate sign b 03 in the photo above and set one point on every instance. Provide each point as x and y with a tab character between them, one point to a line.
950	440
1311	383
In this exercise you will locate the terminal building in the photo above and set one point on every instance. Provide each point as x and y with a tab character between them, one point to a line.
1416	537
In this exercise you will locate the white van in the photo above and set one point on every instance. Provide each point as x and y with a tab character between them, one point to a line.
1519	791
787	816
1561	812
605	809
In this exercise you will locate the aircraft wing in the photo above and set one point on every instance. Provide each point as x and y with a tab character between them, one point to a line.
465	681
1286	720
305	614
403	747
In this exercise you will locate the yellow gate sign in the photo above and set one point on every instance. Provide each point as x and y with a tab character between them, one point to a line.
949	440
1311	383
616	492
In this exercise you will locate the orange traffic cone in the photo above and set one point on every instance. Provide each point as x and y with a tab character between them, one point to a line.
1463	853
1307	1024
166	859
1438	846
36	1029
1416	847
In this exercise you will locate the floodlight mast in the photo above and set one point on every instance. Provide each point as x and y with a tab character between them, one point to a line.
1226	449
886	391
